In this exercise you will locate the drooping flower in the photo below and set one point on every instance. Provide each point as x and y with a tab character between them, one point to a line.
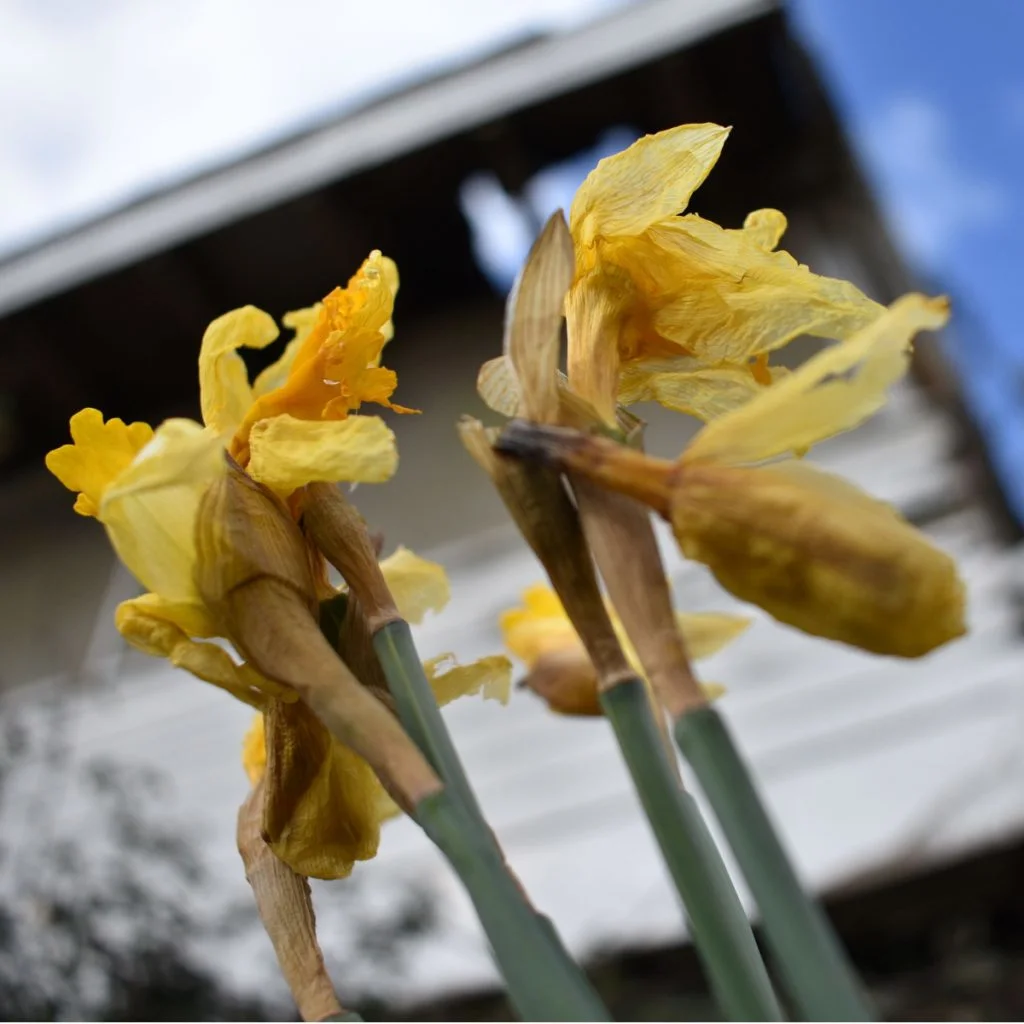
808	547
295	425
667	306
324	805
288	429
679	308
540	634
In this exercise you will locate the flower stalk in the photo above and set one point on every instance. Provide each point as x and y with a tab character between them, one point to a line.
719	926
539	505
814	967
626	551
543	981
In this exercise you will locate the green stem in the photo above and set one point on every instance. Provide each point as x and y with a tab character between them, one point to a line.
418	710
544	982
720	929
536	981
811	961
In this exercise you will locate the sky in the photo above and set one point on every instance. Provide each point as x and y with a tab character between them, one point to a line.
103	101
932	92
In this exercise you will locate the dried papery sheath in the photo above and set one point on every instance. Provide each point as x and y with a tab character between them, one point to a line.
286	909
540	506
244	534
339	531
533	320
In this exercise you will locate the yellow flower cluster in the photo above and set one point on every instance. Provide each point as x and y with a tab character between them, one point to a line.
295	425
667	306
660	305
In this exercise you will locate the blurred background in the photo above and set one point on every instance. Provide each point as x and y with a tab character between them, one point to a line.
162	163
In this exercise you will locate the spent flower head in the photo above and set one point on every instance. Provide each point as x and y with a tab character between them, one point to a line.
540	635
296	424
808	547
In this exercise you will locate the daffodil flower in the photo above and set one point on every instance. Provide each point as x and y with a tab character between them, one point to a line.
808	547
693	309
670	307
296	424
293	426
540	635
525	382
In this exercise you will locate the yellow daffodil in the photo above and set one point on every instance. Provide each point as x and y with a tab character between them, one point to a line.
295	425
540	634
684	310
806	546
669	307
288	429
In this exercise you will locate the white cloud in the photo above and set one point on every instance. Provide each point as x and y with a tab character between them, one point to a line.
108	99
930	192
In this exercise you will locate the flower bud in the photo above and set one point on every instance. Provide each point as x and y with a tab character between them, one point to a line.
820	555
809	548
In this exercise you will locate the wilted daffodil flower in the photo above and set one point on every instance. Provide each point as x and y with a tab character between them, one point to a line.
669	307
806	546
295	425
677	309
145	486
540	634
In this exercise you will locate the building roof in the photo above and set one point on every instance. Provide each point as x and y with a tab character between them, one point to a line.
392	126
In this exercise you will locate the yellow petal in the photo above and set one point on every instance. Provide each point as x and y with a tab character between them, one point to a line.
593	324
323	807
652	179
100	452
821	556
724	297
533	325
491	677
417	585
706	633
705	393
529	638
286	453
539	627
832	392
254	750
224	392
765	228
139	621
541	600
301	321
149	513
192	618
